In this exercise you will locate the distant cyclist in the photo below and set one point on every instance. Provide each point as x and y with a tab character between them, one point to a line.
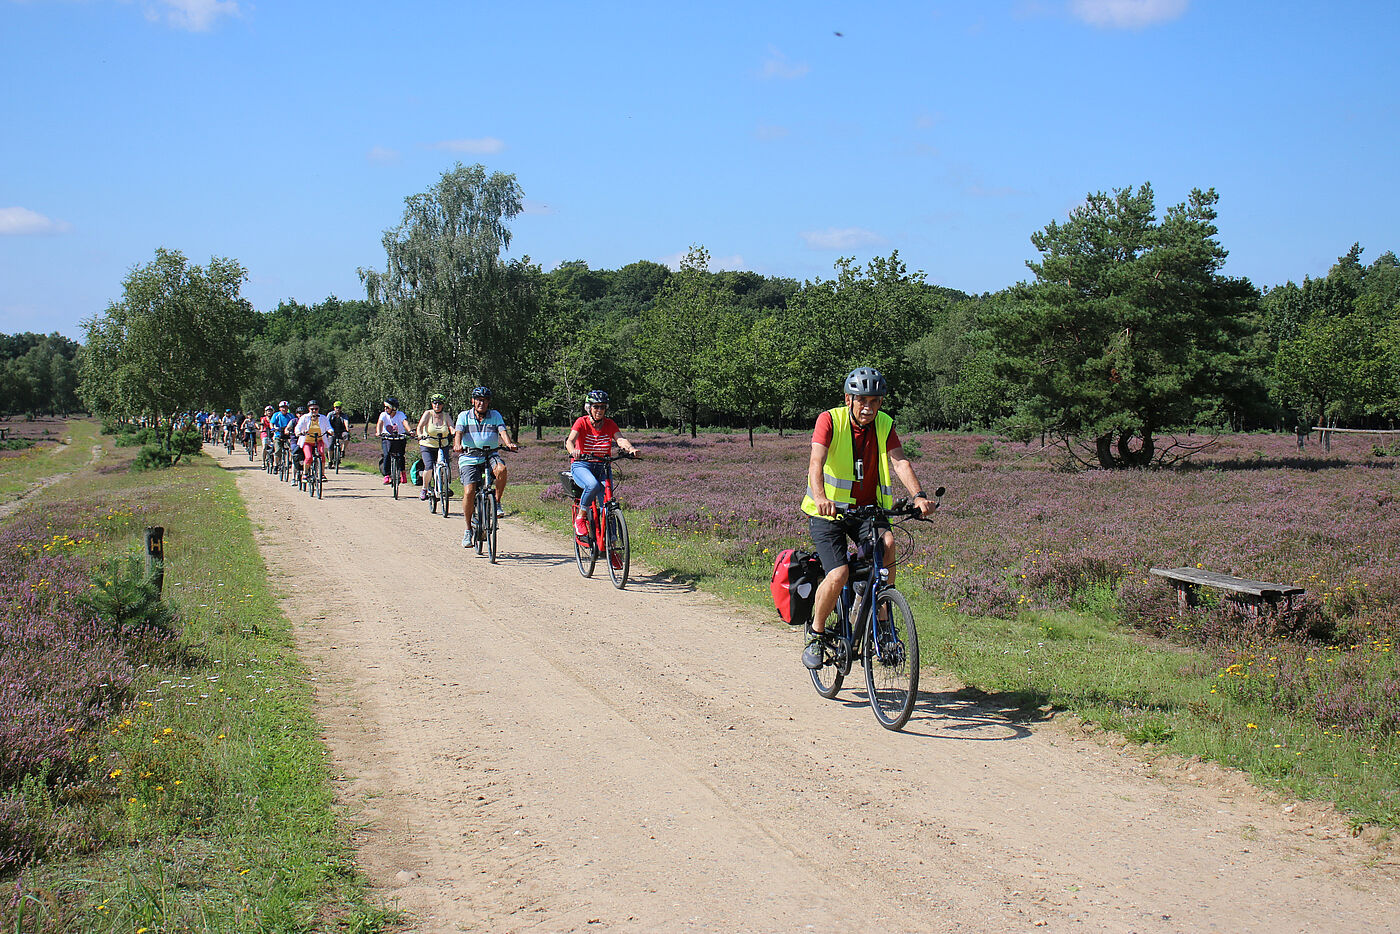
392	431
480	428
265	425
434	438
283	421
591	439
855	450
340	424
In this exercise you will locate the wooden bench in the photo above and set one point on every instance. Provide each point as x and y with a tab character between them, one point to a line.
1248	595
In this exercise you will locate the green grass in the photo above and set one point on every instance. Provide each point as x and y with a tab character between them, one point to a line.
40	461
1169	698
215	800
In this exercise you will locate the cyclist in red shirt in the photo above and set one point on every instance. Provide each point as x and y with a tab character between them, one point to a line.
591	439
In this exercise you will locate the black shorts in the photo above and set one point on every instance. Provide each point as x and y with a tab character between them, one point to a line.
829	538
473	473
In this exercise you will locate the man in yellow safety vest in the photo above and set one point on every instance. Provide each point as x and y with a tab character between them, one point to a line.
855	450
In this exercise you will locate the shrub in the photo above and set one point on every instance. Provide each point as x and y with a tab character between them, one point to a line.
128	601
152	458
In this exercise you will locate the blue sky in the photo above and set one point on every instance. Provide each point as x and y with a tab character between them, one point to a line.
780	136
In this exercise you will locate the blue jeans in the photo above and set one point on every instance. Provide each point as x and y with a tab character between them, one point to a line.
589	478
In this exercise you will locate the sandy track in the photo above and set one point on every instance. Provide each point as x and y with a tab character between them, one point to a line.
527	750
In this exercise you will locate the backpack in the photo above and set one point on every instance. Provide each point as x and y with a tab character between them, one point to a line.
796	575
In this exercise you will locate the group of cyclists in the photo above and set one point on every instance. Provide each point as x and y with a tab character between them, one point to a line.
477	435
855	455
307	429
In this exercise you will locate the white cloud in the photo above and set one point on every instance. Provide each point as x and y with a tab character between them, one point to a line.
840	238
1127	14
192	15
484	146
776	65
382	155
20	221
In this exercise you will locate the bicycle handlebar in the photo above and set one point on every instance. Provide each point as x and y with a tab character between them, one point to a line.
619	456
901	508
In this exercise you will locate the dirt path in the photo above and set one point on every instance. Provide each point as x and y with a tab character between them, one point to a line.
527	750
11	506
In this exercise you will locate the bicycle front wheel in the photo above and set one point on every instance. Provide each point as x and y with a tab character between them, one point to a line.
444	488
619	549
891	650
584	553
486	509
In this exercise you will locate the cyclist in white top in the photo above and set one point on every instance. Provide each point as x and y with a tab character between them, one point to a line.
392	432
312	430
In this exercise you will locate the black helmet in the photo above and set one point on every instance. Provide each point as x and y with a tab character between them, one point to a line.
866	381
481	392
597	397
312	403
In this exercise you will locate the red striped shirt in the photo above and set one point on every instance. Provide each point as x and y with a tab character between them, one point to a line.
595	441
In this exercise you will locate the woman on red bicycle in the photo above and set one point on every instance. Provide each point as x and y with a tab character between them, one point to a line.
590	440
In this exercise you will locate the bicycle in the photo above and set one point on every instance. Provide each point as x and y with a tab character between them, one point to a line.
396	462
484	521
337	452
228	438
439	487
607	527
888	646
269	455
284	458
250	445
316	480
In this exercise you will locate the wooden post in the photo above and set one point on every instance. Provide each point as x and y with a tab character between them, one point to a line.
155	555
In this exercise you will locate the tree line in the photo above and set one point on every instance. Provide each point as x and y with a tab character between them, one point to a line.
1126	332
38	375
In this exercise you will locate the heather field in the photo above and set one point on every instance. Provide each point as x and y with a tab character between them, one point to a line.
159	765
1032	584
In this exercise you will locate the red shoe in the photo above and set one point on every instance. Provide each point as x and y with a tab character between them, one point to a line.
403	477
581	526
387	481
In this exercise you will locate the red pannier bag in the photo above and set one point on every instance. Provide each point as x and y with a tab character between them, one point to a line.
796	575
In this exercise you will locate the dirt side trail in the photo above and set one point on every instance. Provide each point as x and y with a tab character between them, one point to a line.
526	750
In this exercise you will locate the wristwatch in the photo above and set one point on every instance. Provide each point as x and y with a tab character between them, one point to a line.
920	495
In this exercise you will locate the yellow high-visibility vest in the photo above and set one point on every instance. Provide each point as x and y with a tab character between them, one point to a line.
839	470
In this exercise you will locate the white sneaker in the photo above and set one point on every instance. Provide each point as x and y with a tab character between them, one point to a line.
500	510
468	539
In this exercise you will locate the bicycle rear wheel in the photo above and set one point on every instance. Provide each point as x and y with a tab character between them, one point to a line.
891	650
619	548
585	555
444	488
394	463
